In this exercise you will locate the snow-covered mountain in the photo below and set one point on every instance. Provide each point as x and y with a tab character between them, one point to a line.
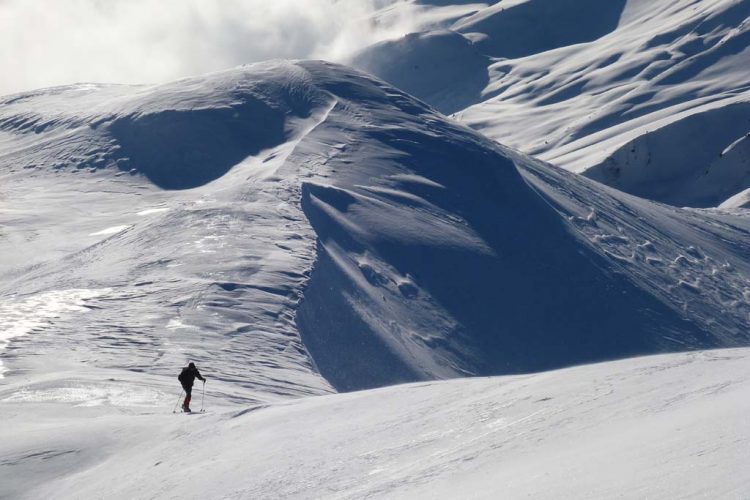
278	216
301	228
644	96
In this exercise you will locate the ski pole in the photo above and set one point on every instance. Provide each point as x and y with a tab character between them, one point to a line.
203	397
174	410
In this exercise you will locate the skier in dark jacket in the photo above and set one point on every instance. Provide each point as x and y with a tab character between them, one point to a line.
186	378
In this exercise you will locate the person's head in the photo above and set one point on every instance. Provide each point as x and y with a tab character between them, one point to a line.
191	365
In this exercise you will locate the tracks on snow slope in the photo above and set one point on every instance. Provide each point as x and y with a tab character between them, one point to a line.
435	257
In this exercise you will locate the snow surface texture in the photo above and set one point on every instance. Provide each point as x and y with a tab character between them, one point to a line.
672	426
642	95
428	254
181	266
301	228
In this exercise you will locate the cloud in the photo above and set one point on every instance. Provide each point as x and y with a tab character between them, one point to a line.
44	43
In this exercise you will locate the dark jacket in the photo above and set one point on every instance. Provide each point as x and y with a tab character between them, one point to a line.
188	375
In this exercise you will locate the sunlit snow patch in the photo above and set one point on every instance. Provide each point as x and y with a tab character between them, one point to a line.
150	211
90	395
176	324
21	316
110	230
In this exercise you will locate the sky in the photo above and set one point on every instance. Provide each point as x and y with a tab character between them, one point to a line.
45	43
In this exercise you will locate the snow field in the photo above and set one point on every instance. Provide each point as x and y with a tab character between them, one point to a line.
659	427
300	228
648	91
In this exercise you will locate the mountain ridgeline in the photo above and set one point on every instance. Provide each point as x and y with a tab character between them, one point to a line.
644	96
319	229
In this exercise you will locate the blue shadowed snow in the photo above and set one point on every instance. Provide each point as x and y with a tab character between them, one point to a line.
185	149
437	259
532	26
683	162
365	236
442	68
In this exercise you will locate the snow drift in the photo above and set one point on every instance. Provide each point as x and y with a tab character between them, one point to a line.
688	162
581	84
303	219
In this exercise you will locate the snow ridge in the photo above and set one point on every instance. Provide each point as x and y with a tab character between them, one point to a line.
650	92
367	239
300	228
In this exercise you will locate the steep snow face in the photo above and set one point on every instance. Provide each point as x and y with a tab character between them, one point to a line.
414	274
364	238
580	84
436	258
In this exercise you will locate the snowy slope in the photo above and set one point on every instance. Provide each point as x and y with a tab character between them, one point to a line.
685	162
211	273
364	238
301	228
661	427
623	86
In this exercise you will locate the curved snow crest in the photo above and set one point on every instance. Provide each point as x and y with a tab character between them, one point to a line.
225	260
577	83
179	135
437	259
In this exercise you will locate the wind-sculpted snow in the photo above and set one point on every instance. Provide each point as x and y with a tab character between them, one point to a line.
443	68
211	274
179	135
437	260
301	228
365	240
585	84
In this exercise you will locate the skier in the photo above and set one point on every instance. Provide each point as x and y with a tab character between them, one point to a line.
187	377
